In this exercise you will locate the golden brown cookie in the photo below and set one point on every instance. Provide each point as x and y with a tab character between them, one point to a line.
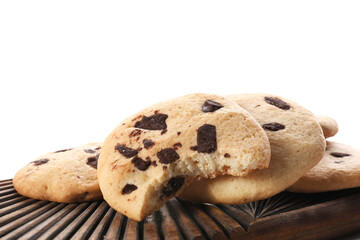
328	125
151	156
339	169
65	176
297	144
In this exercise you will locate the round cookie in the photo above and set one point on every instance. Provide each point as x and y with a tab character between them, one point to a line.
64	176
339	169
151	156
328	125
297	144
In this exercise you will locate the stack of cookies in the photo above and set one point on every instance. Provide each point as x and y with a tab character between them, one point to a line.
202	148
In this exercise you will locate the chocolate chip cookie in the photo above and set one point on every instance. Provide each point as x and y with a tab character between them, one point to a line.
151	156
66	176
339	169
297	144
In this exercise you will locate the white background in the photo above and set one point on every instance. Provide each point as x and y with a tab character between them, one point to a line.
70	71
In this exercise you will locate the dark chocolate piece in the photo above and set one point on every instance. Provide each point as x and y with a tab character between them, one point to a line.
91	151
168	155
178	133
125	151
226	155
64	150
163	131
211	106
153	122
194	148
140	164
129	188
148	143
92	161
273	126
173	185
40	161
177	145
206	139
277	102
339	154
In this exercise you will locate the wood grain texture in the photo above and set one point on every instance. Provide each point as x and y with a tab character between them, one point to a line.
284	216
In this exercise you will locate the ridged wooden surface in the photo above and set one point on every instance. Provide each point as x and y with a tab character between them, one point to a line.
284	216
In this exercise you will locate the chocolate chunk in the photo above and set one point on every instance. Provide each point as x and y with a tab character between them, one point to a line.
273	126
92	161
154	163
64	150
98	148
163	131
135	133
140	164
153	122
125	151
40	161
178	133
89	151
226	155
206	139
194	148
148	143
177	145
129	188
277	102
173	185
168	155
211	106
339	154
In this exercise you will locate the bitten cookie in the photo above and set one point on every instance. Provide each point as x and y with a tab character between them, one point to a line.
151	156
297	144
328	125
65	176
339	169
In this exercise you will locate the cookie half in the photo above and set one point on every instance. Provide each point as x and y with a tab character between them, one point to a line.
328	125
297	144
153	155
64	176
339	169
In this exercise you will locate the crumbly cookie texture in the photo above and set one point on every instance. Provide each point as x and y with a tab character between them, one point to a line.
151	156
328	125
339	169
297	144
65	176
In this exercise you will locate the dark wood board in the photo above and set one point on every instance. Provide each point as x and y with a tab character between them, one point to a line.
284	216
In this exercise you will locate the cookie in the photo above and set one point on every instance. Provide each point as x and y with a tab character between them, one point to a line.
64	176
339	169
297	144
328	125
151	156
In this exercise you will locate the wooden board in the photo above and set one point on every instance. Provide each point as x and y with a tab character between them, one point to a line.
284	216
